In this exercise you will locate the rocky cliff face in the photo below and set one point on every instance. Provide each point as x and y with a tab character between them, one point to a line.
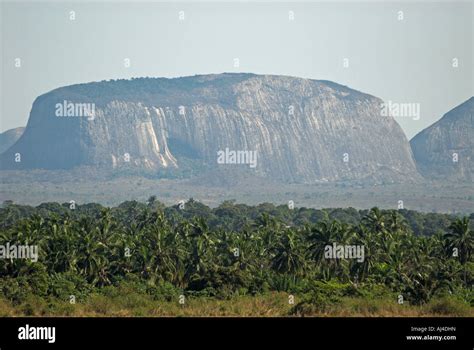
445	150
299	130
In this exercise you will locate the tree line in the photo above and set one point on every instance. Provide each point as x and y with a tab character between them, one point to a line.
235	249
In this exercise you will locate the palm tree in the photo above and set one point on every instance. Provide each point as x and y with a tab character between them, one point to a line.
324	234
158	240
288	255
375	221
367	239
461	237
320	236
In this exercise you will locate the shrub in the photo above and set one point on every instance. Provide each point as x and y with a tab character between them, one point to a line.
15	289
63	285
34	306
288	283
449	306
164	291
322	297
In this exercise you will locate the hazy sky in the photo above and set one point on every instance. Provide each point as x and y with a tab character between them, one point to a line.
404	61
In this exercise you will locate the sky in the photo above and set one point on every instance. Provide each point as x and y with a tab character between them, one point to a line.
408	60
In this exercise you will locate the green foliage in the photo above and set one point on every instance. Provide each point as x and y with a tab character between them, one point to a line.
64	285
149	252
321	297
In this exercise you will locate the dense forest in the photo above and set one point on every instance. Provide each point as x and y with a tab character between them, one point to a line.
145	255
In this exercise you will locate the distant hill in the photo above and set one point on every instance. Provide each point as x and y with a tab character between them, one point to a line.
301	130
9	137
445	150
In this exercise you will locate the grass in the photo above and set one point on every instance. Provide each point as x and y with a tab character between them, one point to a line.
266	305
